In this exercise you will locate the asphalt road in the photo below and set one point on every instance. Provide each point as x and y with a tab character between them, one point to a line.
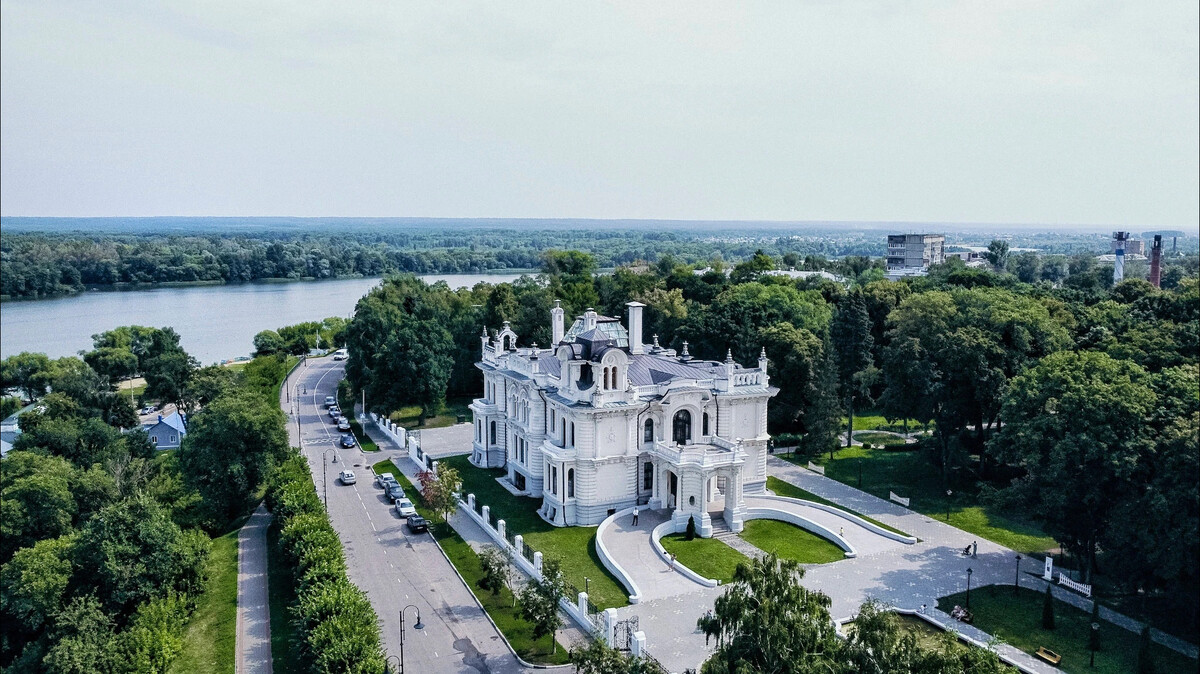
394	567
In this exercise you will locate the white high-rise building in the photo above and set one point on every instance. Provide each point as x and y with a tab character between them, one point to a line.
914	253
600	422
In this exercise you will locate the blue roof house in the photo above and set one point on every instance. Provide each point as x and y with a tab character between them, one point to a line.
167	432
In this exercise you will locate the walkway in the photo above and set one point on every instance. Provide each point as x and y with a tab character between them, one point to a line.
253	640
630	547
862	539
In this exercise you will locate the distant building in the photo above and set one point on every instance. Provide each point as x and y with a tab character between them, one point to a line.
1132	247
794	274
168	431
10	428
910	254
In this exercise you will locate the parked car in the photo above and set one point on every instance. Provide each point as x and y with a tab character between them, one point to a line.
330	401
343	424
382	480
404	508
417	524
348	441
347	477
334	413
395	492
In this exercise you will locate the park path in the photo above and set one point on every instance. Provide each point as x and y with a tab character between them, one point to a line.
630	546
253	640
862	539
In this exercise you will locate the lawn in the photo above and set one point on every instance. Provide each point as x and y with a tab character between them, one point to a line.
790	490
708	557
499	606
880	439
208	643
871	420
409	417
281	597
1018	621
791	542
346	402
566	544
910	475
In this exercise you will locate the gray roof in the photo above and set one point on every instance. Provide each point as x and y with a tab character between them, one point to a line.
653	369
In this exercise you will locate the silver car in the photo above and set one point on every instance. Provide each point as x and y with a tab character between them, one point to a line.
404	508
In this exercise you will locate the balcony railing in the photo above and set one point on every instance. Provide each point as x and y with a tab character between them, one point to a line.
704	456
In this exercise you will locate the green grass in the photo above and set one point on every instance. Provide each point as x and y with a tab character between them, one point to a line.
871	420
708	557
880	439
499	606
791	542
208	643
281	596
566	544
910	475
409	417
1018	621
346	402
790	490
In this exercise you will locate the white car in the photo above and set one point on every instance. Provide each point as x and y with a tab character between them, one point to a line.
382	479
347	477
404	508
330	401
340	354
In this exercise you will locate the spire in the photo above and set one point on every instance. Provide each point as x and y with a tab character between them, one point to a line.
656	346
729	356
762	359
484	333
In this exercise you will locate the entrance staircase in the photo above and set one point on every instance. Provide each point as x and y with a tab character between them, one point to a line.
722	532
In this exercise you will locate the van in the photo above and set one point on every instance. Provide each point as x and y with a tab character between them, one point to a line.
340	354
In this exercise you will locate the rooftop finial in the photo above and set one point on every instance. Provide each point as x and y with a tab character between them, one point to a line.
685	356
728	355
484	333
763	353
656	346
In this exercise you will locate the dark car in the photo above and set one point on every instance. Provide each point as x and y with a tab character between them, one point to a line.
417	524
394	491
348	440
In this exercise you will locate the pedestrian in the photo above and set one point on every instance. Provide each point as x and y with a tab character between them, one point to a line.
671	564
923	607
974	548
841	532
635	514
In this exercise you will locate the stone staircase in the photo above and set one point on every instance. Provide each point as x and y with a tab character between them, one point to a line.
722	532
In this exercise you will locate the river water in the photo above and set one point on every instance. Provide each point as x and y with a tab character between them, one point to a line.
215	322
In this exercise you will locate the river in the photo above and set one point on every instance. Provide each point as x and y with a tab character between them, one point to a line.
215	322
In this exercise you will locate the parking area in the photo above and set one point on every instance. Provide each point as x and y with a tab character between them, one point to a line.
440	443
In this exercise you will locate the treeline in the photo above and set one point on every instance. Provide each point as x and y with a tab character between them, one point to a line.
105	539
1073	404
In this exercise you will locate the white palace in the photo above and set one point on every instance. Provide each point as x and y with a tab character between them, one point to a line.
601	422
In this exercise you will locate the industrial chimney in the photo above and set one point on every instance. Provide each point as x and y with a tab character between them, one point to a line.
1119	239
1156	261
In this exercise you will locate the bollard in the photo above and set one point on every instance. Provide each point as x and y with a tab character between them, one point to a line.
638	644
519	545
471	501
582	600
537	564
500	529
486	514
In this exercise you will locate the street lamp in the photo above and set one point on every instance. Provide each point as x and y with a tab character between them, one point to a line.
1017	576
585	587
420	625
969	572
1094	642
325	473
387	664
949	493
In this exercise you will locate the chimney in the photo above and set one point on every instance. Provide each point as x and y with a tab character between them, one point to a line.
1156	261
556	324
635	327
589	319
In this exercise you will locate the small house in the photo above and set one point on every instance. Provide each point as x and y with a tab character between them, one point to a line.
168	431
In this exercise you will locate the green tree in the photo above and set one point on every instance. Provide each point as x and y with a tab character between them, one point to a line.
850	335
34	582
539	601
766	621
82	639
440	489
878	644
1074	423
267	343
27	372
112	362
570	274
9	405
168	376
496	562
1027	267
1048	610
227	449
753	269
206	385
596	657
37	502
997	254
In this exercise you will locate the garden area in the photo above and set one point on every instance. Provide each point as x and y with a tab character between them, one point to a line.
501	606
790	490
789	541
566	544
708	557
1017	620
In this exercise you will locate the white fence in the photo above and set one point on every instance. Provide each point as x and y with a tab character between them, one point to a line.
815	468
899	499
1085	590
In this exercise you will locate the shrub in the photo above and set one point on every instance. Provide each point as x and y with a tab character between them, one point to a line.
1048	611
691	529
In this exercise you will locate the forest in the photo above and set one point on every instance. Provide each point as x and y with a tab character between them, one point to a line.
38	264
1073	404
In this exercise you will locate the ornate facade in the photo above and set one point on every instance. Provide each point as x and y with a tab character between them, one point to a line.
600	422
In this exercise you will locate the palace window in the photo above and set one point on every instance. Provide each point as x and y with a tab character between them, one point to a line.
705	422
648	433
682	430
571	483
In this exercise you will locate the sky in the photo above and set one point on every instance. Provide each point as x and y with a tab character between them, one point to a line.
996	112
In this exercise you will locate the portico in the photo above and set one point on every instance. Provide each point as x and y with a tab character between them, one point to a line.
697	480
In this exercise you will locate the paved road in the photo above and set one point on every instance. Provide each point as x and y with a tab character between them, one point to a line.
253	640
394	567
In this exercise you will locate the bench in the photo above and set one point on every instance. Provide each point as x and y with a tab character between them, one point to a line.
1048	655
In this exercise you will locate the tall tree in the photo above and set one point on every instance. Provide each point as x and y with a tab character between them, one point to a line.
997	254
27	372
850	334
539	601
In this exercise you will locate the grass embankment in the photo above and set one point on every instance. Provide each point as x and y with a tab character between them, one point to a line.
1018	621
208	643
566	544
346	402
791	542
708	557
910	475
410	417
499	606
790	490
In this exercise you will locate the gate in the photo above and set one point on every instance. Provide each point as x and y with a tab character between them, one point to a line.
623	633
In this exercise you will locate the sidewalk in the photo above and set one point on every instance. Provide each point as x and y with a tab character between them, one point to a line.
253	640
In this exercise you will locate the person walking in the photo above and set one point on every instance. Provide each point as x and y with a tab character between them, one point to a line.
635	514
841	532
974	548
671	564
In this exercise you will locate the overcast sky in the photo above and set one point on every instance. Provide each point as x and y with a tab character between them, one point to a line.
1024	112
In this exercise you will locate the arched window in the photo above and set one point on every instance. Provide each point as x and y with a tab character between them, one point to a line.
564	432
606	379
705	423
493	432
571	483
572	434
681	432
648	433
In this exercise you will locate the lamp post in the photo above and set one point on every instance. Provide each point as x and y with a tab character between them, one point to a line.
1094	642
949	493
419	625
969	572
325	473
1017	576
585	587
387	664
